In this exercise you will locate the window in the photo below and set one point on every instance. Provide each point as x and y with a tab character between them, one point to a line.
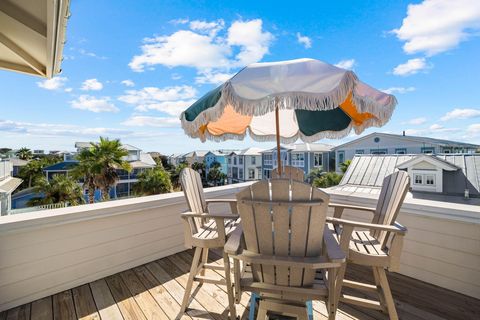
267	173
240	174
360	151
423	179
341	156
253	160
317	159
428	150
378	151
251	174
400	151
229	160
267	160
430	180
418	179
240	160
234	161
298	159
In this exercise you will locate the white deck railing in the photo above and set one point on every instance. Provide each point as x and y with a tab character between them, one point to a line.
45	252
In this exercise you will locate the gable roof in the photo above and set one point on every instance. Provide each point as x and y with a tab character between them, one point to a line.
303	147
83	145
443	164
426	140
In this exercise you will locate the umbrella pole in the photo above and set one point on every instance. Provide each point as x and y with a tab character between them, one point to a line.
277	129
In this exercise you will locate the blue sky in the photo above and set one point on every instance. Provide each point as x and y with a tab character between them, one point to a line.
131	67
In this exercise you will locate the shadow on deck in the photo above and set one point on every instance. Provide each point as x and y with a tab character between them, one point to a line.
155	291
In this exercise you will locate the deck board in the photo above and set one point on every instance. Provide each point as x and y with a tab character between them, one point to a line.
155	291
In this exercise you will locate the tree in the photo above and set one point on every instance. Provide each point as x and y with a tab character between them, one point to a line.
314	174
24	153
153	181
60	189
109	157
215	175
175	174
32	172
200	168
87	170
327	179
344	165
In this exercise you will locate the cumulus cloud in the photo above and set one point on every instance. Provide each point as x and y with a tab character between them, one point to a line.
204	48
162	122
435	26
304	40
474	129
346	64
213	77
91	85
410	67
171	100
93	104
55	83
128	83
457	113
435	130
400	90
416	121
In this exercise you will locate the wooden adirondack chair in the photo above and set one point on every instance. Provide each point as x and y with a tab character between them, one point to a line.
204	231
289	172
379	247
293	256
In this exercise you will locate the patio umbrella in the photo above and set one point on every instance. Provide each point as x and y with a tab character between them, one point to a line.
303	99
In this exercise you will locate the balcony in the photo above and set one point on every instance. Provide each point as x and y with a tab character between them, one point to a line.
126	259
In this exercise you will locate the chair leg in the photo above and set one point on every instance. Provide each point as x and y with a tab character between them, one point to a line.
392	312
191	276
228	280
204	260
262	311
253	305
381	296
335	287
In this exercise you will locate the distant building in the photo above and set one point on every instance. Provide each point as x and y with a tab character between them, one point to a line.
17	165
307	156
244	165
174	159
385	143
8	184
219	156
193	156
451	177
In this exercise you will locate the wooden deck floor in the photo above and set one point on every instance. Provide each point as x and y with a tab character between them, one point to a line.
155	290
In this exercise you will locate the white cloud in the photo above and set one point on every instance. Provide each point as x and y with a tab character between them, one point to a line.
213	77
435	130
68	89
201	47
416	121
90	54
346	64
55	83
304	40
176	76
128	83
171	100
457	113
410	67
140	121
435	26
400	90
91	85
474	129
93	104
54	130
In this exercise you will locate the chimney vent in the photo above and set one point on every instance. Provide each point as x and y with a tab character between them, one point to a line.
404	133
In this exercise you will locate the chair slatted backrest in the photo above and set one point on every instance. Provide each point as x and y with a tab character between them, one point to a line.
193	189
289	172
283	217
394	189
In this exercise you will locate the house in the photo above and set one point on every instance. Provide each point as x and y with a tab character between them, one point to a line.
307	156
193	156
8	184
244	165
386	143
17	165
174	159
219	156
450	177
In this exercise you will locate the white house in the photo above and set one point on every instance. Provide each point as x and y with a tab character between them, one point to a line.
245	165
385	143
8	184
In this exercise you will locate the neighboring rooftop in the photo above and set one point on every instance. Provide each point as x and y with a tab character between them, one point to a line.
304	147
83	145
61	166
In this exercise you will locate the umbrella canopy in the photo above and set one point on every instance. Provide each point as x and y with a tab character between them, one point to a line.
314	100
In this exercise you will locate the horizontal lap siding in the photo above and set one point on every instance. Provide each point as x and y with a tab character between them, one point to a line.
439	251
37	262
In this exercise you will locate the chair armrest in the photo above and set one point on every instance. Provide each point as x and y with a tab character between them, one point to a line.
349	206
318	262
234	241
333	250
225	216
397	228
231	202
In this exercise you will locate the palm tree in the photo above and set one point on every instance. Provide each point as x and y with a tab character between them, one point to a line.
60	189
215	174
153	181
87	170
32	171
24	153
175	174
109	157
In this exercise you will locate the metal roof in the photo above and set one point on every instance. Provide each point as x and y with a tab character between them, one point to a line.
9	185
61	166
426	140
32	35
304	147
370	170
